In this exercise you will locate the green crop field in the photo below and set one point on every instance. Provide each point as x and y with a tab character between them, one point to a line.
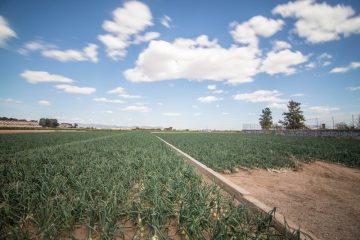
222	151
110	185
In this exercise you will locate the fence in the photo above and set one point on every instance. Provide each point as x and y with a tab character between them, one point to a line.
340	122
334	122
309	133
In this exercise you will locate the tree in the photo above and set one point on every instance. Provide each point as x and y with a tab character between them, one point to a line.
342	126
265	119
294	118
47	122
42	122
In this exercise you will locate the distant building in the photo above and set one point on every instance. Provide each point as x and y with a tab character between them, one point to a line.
168	129
66	125
19	123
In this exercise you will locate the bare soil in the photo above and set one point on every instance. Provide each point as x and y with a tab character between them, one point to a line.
322	198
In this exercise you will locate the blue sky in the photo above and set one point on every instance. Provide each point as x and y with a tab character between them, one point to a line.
186	64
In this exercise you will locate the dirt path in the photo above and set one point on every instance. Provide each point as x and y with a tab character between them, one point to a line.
322	198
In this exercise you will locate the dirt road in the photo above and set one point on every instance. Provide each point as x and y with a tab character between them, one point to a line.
322	198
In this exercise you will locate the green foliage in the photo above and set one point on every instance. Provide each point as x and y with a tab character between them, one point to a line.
47	122
294	118
112	184
265	119
343	126
221	151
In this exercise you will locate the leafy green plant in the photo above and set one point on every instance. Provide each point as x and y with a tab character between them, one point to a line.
226	151
125	185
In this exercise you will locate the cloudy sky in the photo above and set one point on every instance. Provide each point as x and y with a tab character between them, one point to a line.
186	64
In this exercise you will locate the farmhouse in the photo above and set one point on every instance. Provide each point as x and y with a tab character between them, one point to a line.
66	125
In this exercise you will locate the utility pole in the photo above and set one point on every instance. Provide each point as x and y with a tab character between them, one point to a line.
353	125
333	123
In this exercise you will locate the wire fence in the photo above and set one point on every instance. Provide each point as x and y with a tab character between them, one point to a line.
341	122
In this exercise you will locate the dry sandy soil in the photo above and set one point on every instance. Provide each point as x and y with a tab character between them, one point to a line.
322	198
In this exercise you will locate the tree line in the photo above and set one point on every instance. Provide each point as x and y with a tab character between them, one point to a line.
294	119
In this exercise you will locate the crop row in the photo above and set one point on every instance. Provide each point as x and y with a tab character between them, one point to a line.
127	186
13	143
222	151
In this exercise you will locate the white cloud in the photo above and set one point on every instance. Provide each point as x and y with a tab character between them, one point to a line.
109	111
248	32
172	114
355	65
218	91
166	21
271	97
128	96
310	65
211	87
194	59
44	103
5	32
298	95
105	100
89	53
339	70
135	108
355	88
35	77
214	89
323	109
326	63
351	66
320	22
146	37
282	62
36	45
10	100
74	89
280	45
324	59
197	114
160	104
122	93
324	56
225	113
258	96
278	105
209	99
126	25
118	90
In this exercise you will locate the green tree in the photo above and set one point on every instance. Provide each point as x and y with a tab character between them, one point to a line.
42	122
342	126
265	119
294	118
47	122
